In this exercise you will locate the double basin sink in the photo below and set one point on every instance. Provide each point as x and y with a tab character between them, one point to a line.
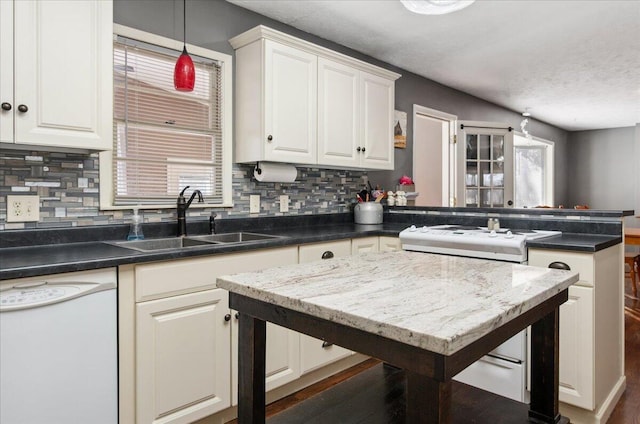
152	245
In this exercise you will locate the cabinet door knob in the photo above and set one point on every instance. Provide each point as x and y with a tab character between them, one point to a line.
237	315
6	106
326	344
559	265
363	149
327	255
23	108
359	149
227	317
269	137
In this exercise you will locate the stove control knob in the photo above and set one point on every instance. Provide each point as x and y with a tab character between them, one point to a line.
424	229
509	234
493	233
412	228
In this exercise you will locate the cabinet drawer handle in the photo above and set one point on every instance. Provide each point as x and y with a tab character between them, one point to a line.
269	137
327	255
227	317
23	108
6	106
559	265
326	344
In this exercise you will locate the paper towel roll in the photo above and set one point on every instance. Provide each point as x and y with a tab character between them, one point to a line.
269	172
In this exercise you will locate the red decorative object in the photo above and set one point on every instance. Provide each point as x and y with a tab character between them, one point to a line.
184	74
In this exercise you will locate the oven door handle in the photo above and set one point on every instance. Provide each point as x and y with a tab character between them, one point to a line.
500	362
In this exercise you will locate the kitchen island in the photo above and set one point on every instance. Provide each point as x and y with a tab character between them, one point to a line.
431	315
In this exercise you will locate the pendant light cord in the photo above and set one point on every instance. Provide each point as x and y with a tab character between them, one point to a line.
184	23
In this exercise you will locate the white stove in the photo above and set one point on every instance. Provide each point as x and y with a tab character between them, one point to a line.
503	370
477	242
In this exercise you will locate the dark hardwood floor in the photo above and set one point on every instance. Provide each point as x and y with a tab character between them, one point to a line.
374	393
627	410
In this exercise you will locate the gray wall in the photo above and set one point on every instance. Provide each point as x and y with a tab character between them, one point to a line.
604	169
69	189
211	23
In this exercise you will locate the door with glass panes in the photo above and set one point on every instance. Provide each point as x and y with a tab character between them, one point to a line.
485	165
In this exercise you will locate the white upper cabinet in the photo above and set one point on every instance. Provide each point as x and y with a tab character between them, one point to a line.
56	72
304	104
290	104
338	114
377	121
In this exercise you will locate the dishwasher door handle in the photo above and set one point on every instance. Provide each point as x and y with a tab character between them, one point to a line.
42	293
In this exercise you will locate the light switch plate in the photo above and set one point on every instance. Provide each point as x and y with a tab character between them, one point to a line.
284	203
23	208
254	203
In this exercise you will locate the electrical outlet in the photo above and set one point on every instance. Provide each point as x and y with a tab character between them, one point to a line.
23	208
254	203
284	203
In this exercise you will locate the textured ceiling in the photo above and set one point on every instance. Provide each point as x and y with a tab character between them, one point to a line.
575	64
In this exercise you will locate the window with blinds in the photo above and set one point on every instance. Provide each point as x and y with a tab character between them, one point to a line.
164	140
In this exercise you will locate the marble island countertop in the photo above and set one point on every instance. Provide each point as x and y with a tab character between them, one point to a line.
390	294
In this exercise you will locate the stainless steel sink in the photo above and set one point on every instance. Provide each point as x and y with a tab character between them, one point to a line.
152	245
239	237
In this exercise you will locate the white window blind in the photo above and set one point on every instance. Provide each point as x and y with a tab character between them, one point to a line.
164	139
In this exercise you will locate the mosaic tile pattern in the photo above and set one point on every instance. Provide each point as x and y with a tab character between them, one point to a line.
69	188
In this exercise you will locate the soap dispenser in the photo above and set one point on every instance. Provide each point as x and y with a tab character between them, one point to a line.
135	232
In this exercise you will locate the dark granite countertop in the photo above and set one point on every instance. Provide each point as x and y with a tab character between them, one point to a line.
577	242
77	249
28	261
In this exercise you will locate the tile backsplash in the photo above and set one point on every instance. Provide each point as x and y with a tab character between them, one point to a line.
69	188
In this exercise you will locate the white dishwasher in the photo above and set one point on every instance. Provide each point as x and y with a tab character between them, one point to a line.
58	349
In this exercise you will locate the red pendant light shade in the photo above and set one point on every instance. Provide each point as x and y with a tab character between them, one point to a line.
184	74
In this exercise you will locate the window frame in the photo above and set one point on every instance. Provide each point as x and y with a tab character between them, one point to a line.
522	140
225	60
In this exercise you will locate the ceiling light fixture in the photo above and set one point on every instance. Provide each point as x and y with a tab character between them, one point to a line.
524	123
435	7
184	74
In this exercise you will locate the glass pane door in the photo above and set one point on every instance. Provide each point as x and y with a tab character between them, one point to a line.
487	178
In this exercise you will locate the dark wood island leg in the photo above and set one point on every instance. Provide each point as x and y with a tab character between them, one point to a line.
428	400
544	370
251	370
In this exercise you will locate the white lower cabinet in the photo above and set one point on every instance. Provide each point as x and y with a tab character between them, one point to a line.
315	353
591	333
182	357
365	244
178	343
389	244
576	348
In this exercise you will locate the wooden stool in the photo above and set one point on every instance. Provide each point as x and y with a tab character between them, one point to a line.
633	260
